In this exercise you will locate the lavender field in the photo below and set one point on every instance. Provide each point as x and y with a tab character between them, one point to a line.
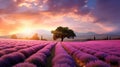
34	53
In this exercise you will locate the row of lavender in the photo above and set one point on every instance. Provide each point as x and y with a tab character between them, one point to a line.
62	58
9	46
109	47
103	50
29	51
86	56
38	59
36	53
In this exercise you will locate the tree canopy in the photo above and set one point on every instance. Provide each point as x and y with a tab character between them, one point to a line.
14	36
35	37
62	32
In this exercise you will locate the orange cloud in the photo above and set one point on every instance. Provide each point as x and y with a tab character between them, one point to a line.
28	3
6	29
19	22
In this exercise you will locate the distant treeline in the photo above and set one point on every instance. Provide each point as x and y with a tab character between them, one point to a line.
103	38
34	37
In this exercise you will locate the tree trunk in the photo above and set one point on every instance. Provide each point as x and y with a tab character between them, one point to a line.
62	39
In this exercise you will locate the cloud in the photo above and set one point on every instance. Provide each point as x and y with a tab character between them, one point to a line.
7	28
15	23
7	6
53	6
65	5
108	12
48	14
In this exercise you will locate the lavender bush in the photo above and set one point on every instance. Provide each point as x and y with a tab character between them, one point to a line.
25	65
62	58
97	63
101	55
11	59
113	60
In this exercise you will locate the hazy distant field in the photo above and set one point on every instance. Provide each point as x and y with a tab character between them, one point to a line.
34	53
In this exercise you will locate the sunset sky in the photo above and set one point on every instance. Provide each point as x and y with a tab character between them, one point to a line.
25	16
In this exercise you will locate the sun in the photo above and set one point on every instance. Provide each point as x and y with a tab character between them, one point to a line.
26	31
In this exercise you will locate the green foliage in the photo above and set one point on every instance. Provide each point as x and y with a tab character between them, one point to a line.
35	37
14	36
62	32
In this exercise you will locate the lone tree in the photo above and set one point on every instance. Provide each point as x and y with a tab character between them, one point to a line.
62	32
14	36
35	37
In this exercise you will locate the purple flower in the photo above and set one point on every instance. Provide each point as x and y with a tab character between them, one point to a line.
97	63
113	60
2	53
25	65
13	58
62	58
20	47
27	52
86	58
101	55
37	59
4	63
10	50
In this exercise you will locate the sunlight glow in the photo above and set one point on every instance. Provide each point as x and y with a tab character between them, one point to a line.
15	0
24	4
31	1
26	31
28	3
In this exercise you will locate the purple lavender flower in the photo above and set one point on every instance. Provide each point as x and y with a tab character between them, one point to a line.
2	53
36	59
25	65
10	50
86	58
97	63
62	58
101	55
13	58
113	60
